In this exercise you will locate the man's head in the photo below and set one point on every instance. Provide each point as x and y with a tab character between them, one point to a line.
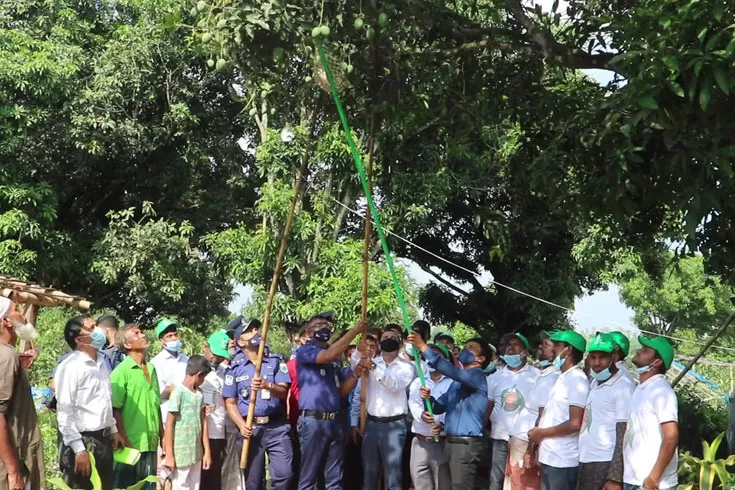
109	324
422	328
622	345
79	331
167	332
600	358
516	351
130	338
568	344
319	329
216	349
655	355
247	333
441	350
444	339
476	353
391	340
372	346
11	320
545	350
350	350
198	367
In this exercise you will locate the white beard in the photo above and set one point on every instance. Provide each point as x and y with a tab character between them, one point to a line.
25	331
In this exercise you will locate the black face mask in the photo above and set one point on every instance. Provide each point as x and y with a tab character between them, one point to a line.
389	345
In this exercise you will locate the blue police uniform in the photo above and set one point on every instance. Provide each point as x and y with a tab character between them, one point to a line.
321	434
270	428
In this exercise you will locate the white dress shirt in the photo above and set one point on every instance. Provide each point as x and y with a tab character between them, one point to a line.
84	398
212	391
171	370
417	406
387	387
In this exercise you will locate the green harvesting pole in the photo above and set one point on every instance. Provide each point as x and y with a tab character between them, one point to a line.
373	209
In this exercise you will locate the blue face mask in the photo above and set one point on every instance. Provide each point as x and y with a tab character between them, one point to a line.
512	360
323	335
174	345
603	375
466	357
490	369
99	338
255	340
544	364
643	369
558	362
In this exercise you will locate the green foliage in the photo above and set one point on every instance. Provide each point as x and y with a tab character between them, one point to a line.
710	468
699	421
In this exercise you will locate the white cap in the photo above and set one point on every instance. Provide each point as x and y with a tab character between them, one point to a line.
4	306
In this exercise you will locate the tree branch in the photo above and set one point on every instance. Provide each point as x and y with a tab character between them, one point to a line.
444	281
553	50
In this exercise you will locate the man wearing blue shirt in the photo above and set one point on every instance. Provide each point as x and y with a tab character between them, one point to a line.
465	405
270	431
322	383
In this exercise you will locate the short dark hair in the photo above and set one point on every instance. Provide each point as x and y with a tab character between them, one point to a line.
198	364
485	350
423	328
72	329
374	331
393	326
108	321
663	369
577	354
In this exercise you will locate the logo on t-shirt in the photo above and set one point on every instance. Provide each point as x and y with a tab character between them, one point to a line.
587	418
512	400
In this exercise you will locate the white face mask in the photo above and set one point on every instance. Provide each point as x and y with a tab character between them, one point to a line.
25	331
408	349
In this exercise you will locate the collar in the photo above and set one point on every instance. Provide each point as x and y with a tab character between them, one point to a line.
572	369
525	367
650	381
609	382
547	370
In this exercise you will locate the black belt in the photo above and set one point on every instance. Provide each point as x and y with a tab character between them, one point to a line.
106	432
463	439
386	420
268	419
320	415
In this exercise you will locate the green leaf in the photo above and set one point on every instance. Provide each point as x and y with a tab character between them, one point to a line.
705	93
718	10
141	484
58	483
672	63
721	79
702	34
625	129
676	88
707	477
94	478
647	102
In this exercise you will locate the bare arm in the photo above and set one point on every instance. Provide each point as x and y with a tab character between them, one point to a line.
571	426
168	440
335	351
615	473
120	427
279	390
670	433
234	413
166	393
205	432
346	386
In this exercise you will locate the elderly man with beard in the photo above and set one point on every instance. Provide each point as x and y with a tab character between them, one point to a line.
21	449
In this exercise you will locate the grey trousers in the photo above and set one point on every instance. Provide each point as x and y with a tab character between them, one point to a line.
464	460
382	450
558	478
232	477
429	466
499	459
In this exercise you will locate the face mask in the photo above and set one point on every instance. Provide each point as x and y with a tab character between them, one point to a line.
512	360
603	375
232	351
544	364
466	357
558	362
408	349
643	369
322	335
490	369
25	331
99	338
389	345
255	340
174	345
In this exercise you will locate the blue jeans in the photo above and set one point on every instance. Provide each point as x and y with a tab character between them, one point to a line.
628	486
382	449
499	458
558	478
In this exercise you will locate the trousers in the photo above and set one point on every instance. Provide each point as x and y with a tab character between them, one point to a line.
382	450
212	478
275	440
429	466
499	460
464	460
558	478
322	452
101	446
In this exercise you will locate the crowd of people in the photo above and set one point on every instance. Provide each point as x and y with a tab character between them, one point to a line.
561	414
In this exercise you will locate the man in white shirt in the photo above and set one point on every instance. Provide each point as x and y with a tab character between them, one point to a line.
650	445
387	406
84	406
557	433
605	418
215	350
524	473
429	466
622	347
170	363
507	392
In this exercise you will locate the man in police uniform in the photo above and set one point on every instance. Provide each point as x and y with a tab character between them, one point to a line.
270	431
323	383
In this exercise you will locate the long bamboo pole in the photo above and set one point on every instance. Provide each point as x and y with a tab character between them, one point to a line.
704	349
366	273
267	314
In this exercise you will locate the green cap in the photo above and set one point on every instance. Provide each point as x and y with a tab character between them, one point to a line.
218	343
621	341
165	324
570	337
601	342
523	339
660	345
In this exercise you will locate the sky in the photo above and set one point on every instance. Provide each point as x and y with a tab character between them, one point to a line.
602	310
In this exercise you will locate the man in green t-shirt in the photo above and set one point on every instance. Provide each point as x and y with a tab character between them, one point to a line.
136	404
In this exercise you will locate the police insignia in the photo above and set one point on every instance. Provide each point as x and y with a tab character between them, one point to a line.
228	379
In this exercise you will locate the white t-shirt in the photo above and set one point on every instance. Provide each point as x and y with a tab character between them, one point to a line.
654	403
570	390
626	372
509	390
212	391
171	370
607	404
538	398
